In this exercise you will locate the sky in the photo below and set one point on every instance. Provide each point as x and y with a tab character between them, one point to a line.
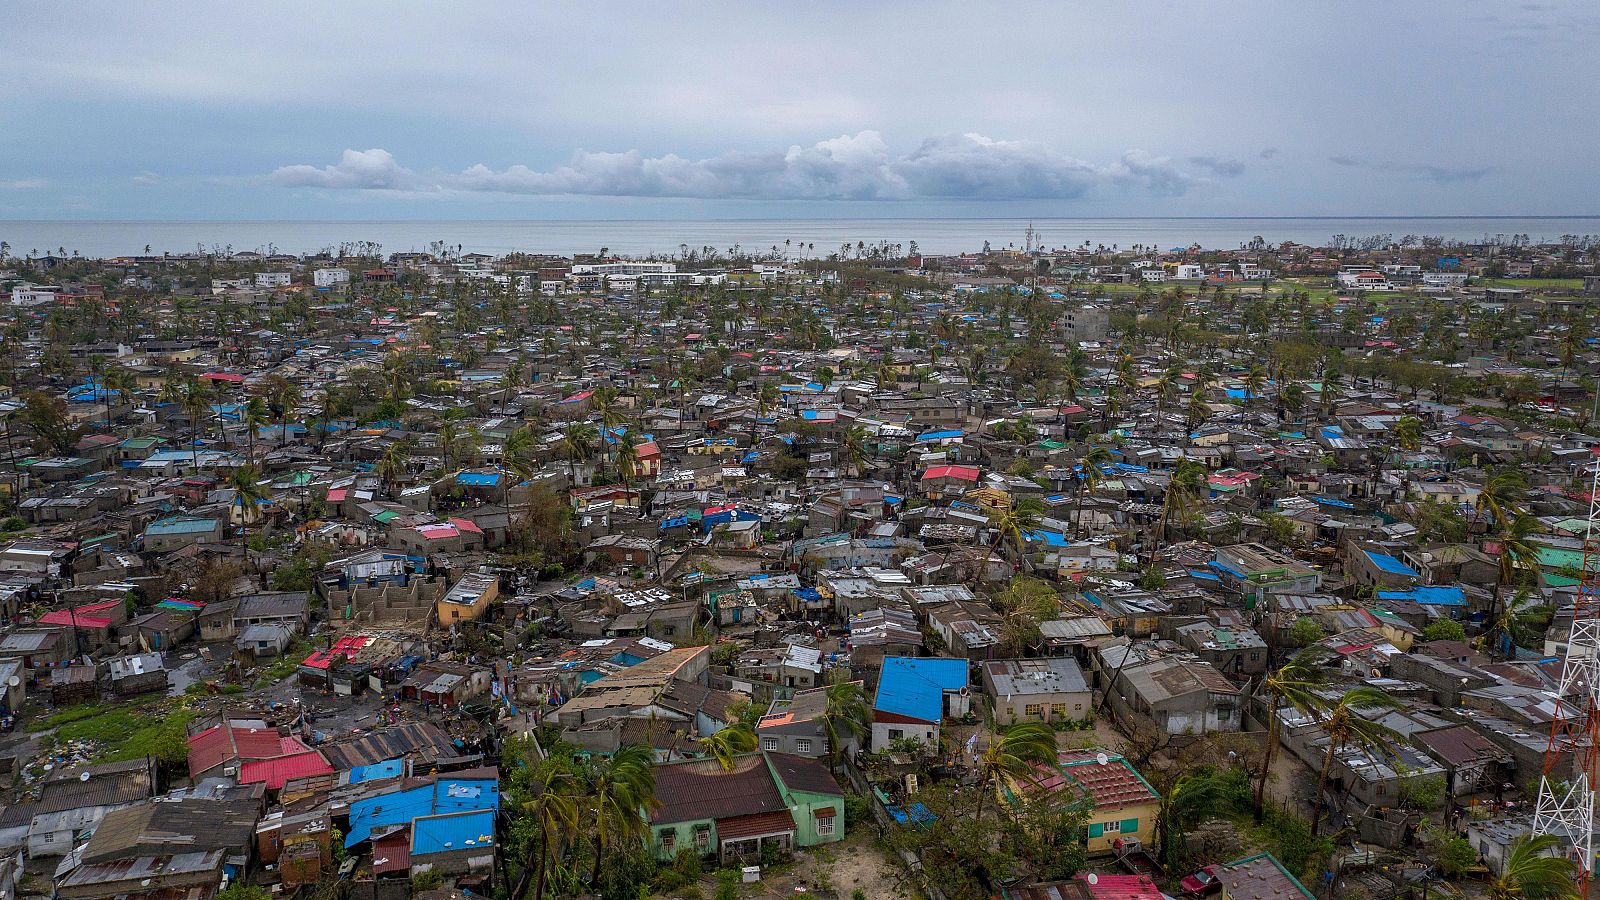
621	110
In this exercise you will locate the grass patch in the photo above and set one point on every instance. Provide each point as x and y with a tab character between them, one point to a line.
124	731
287	665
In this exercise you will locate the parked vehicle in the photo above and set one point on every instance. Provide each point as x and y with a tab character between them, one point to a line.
1133	858
1201	882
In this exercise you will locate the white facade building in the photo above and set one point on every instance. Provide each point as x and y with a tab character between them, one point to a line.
323	278
33	295
273	279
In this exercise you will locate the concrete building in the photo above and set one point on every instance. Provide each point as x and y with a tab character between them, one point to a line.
1036	690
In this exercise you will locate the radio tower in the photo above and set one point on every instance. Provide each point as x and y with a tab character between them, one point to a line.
1566	800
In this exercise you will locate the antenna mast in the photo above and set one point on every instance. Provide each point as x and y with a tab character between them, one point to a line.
1566	804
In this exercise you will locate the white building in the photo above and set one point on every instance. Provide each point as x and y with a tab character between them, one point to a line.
1444	279
272	279
1189	271
612	270
323	278
1153	275
33	295
223	285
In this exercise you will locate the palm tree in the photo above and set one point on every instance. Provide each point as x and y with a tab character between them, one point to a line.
1501	498
1294	685
1014	525
1094	461
255	415
248	493
1013	755
196	402
1515	617
394	464
1533	871
577	444
1180	506
517	459
1191	797
556	811
283	396
621	790
854	446
1346	724
846	715
1519	555
725	745
1408	432
1254	380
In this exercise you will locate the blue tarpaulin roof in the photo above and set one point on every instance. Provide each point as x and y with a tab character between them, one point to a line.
915	687
1334	501
457	831
393	768
447	795
478	479
1390	564
1433	596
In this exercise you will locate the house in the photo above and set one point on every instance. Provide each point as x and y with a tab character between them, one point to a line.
1181	696
1381	570
261	641
1050	689
286	608
1259	877
766	799
914	696
795	726
223	748
178	532
1256	570
1123	803
137	673
468	599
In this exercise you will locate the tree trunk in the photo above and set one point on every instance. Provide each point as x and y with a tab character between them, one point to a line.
1266	762
1322	786
544	869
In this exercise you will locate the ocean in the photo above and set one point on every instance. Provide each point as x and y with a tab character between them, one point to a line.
819	236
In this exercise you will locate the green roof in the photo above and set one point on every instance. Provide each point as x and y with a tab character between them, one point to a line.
1559	557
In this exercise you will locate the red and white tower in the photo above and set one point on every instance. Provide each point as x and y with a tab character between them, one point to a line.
1566	798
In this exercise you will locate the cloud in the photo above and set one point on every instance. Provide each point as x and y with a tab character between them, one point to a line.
23	184
1269	152
849	167
1434	173
1222	167
145	179
362	169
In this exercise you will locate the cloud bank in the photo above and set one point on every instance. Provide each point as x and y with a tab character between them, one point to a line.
1435	173
849	167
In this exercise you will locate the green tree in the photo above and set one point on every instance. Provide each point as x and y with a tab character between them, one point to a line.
726	745
1180	507
1444	630
47	417
1013	754
1293	685
1535	869
1348	723
622	789
1305	632
846	716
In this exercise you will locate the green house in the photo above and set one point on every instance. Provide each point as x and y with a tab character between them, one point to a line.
766	799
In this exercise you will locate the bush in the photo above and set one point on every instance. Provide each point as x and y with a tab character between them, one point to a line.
727	885
1444	630
13	523
858	894
857	809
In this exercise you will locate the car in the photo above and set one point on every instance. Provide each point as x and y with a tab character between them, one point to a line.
1202	882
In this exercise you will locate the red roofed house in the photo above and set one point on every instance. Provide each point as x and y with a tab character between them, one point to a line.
949	481
236	742
274	772
1125	805
93	621
647	460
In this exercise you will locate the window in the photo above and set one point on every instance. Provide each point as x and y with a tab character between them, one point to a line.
769	743
896	734
1059	710
825	826
802	745
1033	709
1255	655
1112	827
702	837
669	841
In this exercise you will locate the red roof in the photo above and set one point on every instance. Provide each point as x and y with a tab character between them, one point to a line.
86	616
392	852
274	772
230	377
647	450
467	525
342	648
964	473
754	825
223	743
337	495
1122	887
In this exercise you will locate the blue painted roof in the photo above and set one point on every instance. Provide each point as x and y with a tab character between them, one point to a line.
1390	564
457	831
1334	501
393	768
1050	538
915	687
1433	596
939	435
447	795
181	525
479	479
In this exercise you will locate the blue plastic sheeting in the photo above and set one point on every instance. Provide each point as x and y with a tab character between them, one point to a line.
1334	501
939	435
1390	564
1432	596
393	768
810	595
915	687
1050	538
1200	573
1224	567
477	479
918	814
447	833
446	795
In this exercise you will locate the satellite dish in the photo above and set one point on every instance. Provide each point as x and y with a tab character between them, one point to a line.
1093	878
83	776
145	883
1102	758
13	681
